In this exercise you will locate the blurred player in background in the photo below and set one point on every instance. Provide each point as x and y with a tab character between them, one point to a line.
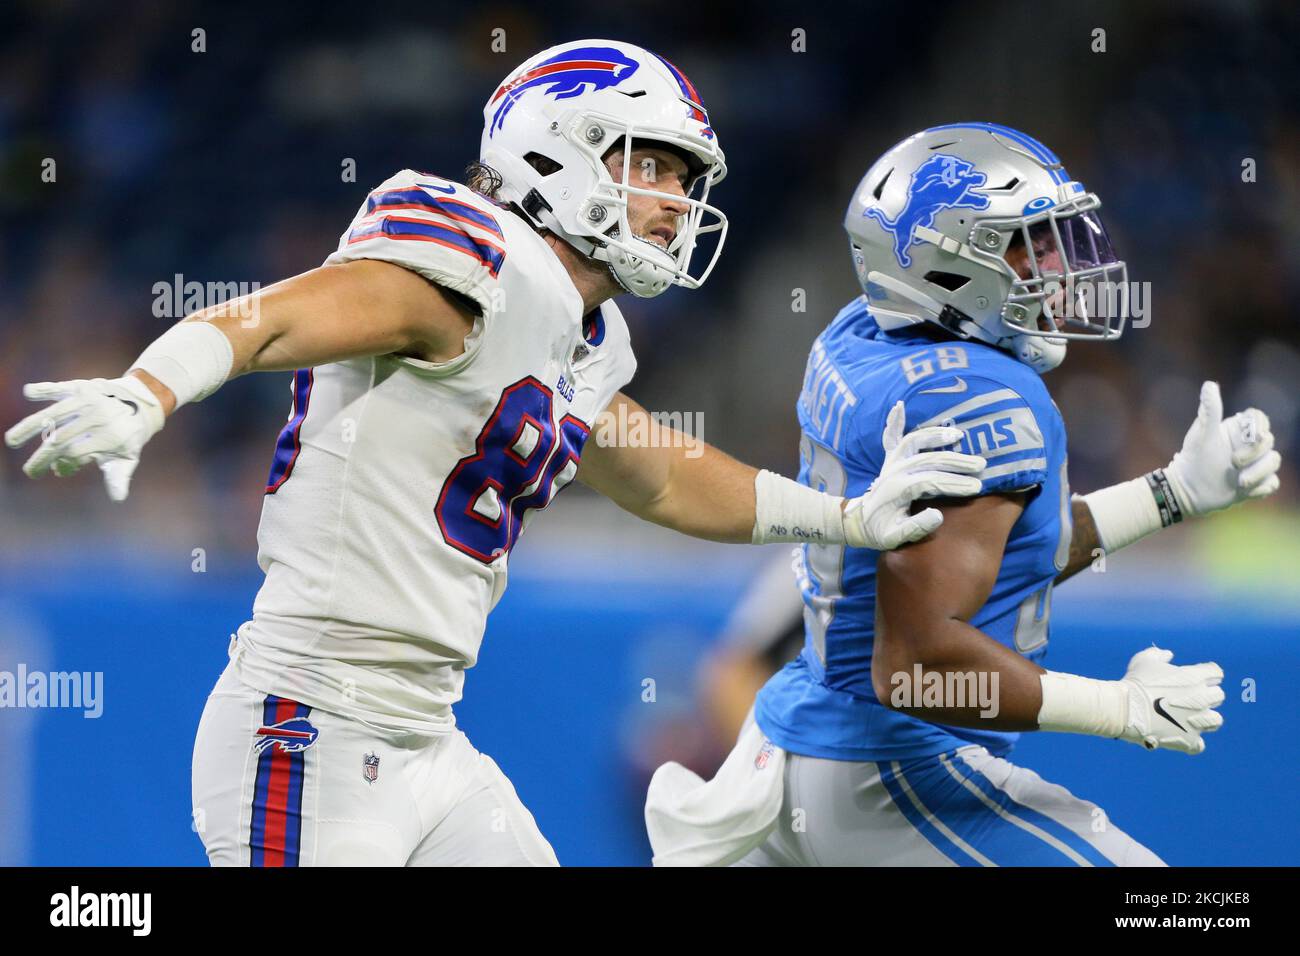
885	741
451	359
762	635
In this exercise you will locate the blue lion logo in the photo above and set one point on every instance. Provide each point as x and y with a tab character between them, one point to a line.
565	75
941	182
291	735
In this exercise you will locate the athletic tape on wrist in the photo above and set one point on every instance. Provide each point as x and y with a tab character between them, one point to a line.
193	359
785	510
1124	513
1082	705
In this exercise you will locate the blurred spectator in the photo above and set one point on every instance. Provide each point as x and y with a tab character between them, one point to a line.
227	165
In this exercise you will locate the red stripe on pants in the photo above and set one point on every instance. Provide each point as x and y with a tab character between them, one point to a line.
277	792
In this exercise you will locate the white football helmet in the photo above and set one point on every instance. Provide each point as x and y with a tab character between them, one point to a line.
569	105
931	223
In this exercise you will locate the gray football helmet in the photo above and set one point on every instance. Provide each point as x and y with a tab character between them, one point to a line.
935	220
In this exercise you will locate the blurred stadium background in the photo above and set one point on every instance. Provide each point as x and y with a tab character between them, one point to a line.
225	166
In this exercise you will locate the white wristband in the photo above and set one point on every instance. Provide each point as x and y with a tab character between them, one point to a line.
193	359
785	510
1082	705
1124	513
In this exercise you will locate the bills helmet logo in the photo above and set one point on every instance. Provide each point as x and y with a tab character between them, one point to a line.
563	76
290	735
941	182
691	97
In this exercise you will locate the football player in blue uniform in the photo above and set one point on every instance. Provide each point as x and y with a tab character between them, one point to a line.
885	741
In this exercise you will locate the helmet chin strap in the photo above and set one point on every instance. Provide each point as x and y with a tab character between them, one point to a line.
646	275
583	244
1040	352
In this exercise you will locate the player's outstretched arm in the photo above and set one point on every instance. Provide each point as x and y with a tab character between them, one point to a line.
364	307
1222	463
928	593
698	490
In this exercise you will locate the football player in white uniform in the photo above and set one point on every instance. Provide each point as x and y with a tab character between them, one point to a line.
450	360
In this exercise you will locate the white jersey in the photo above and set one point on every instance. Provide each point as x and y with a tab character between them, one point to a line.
399	486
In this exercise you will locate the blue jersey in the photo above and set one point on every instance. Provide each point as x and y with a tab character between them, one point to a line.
822	704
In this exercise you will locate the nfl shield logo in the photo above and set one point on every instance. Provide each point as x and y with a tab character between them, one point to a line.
370	767
763	755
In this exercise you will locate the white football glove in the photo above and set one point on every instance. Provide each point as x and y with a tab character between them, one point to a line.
106	421
1222	461
1171	705
879	519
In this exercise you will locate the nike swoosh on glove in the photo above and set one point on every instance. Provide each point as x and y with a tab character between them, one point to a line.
106	421
880	518
1171	705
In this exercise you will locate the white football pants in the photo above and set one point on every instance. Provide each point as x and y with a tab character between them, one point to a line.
277	783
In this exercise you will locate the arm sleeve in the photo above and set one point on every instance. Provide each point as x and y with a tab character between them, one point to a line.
444	231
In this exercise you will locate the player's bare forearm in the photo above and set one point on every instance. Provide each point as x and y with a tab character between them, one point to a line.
669	478
335	312
998	688
926	595
708	496
1084	540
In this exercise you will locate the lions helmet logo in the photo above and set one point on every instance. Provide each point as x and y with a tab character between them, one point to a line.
565	75
941	182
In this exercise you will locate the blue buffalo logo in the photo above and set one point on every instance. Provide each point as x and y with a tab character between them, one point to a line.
291	735
941	182
564	76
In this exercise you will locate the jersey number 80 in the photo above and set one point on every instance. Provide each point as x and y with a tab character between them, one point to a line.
521	460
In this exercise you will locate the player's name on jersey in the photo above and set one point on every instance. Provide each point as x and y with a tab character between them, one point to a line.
825	396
